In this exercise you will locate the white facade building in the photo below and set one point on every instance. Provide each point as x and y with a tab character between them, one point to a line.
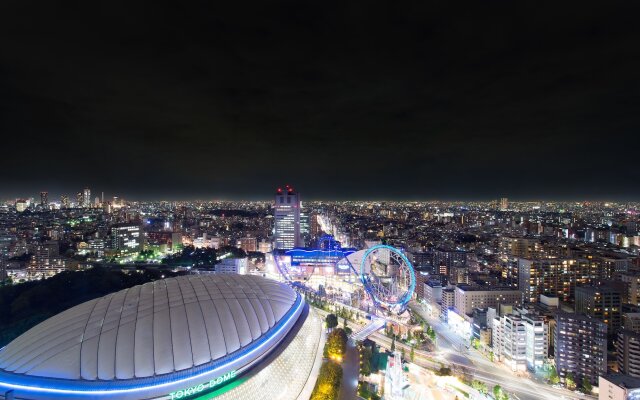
232	266
618	387
520	340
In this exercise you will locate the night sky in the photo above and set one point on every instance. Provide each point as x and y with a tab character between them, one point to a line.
454	100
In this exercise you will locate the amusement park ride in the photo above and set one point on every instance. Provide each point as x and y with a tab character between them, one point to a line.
385	272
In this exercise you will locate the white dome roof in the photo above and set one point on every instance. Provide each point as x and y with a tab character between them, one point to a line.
152	329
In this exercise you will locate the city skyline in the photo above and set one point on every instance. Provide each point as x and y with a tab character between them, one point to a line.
58	197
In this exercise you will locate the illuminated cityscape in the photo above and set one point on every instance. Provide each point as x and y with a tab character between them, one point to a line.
460	292
319	201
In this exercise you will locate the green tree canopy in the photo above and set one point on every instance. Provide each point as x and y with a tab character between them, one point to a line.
587	387
337	343
570	381
328	382
332	321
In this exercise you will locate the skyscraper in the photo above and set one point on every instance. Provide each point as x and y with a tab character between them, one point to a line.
504	204
580	347
65	201
287	218
44	199
86	198
603	302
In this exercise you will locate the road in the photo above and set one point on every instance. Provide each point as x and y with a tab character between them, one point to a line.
453	350
423	386
350	372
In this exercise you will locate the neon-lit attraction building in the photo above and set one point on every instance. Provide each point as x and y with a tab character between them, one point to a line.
196	336
327	258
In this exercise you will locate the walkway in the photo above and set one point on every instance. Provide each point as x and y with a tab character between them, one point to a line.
350	372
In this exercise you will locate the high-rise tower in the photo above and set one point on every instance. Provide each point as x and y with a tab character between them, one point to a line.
86	198
287	218
44	199
504	204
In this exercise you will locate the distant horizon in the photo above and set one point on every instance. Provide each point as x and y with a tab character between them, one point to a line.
55	198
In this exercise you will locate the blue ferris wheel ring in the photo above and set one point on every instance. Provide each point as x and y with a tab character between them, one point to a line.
366	280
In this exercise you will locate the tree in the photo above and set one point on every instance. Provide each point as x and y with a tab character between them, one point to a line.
479	386
328	382
332	321
336	343
344	322
367	355
497	392
431	333
393	344
570	381
553	376
587	387
412	354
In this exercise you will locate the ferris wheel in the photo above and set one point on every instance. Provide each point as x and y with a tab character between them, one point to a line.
388	277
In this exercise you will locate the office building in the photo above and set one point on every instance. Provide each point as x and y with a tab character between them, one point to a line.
447	262
126	238
521	247
248	244
232	266
603	302
44	199
631	321
469	297
86	198
287	219
628	352
504	204
618	387
45	261
421	279
448	303
632	288
21	205
521	340
580	346
265	246
557	277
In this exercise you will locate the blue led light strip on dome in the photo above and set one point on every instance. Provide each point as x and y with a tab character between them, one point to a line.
258	348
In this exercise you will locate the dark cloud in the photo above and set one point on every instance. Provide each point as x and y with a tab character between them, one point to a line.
351	100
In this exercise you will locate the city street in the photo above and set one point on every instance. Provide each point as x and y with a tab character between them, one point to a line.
453	349
423	386
350	372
